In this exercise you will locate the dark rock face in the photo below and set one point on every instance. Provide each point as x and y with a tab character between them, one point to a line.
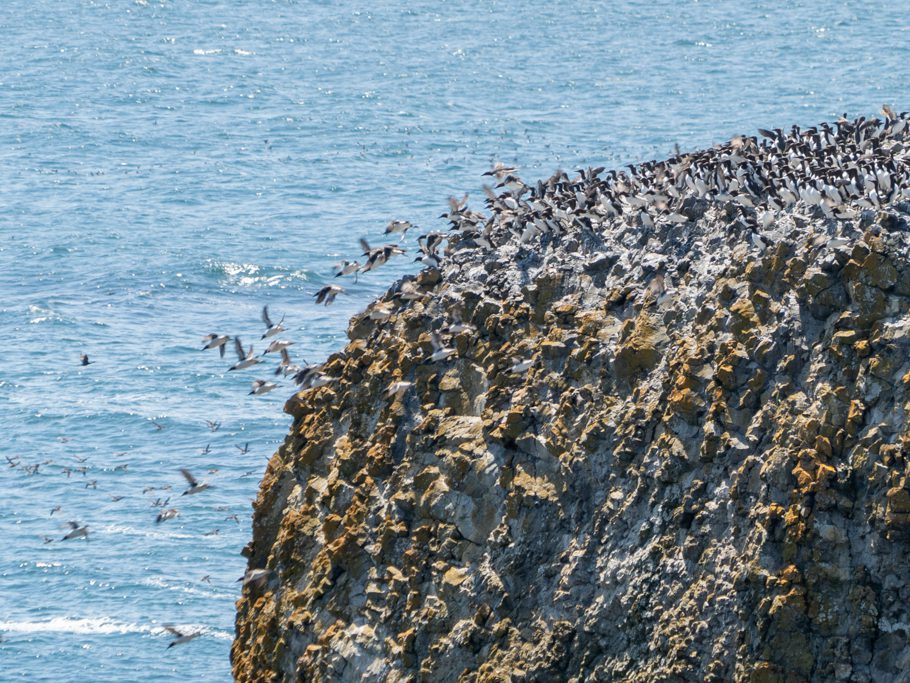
671	453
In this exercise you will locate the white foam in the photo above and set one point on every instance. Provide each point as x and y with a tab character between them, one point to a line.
104	626
97	625
199	51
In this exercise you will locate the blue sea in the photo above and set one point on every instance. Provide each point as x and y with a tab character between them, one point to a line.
169	167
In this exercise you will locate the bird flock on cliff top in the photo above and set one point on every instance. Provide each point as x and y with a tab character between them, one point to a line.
835	171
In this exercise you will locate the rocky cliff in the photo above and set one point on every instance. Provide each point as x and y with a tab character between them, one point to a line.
670	447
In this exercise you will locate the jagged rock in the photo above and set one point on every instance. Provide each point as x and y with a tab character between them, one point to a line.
701	481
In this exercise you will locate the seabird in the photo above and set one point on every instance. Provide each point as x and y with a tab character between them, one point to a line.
381	311
285	366
261	386
278	345
213	425
312	377
85	360
397	389
256	577
378	255
245	360
166	515
244	449
215	341
500	170
327	294
195	486
179	637
347	268
398	228
76	531
521	366
440	352
271	328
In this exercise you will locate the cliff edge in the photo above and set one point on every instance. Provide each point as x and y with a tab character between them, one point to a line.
664	438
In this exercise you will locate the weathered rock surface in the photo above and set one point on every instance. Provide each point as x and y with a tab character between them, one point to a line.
704	475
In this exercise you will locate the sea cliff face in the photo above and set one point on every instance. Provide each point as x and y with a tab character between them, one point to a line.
702	476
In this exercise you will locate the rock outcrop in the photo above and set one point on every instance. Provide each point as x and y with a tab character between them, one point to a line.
702	474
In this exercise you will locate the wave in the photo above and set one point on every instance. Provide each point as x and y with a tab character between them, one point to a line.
103	626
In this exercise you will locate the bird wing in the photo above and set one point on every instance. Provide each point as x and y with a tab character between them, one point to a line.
73	525
238	347
285	358
189	477
265	316
171	629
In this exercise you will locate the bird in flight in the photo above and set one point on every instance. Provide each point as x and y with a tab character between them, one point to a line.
271	328
179	637
195	486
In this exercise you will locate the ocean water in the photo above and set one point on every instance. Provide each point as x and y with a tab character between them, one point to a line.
169	167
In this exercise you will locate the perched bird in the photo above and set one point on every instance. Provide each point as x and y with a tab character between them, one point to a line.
271	328
85	360
179	637
76	531
166	515
246	359
521	366
261	386
215	341
409	292
327	294
195	486
381	311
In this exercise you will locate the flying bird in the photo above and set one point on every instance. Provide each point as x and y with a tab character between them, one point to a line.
327	294
76	531
261	386
179	637
166	515
245	359
271	328
215	341
195	486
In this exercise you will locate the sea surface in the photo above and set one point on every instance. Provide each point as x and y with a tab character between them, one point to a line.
169	167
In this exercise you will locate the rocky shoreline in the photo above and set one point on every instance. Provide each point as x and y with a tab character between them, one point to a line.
664	448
